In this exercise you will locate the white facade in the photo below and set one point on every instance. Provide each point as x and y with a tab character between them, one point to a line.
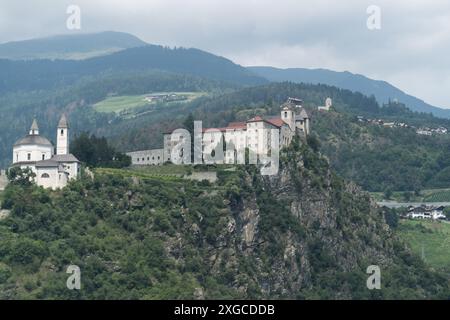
37	153
148	157
29	152
51	177
328	104
425	212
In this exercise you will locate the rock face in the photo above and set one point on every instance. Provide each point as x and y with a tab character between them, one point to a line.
287	235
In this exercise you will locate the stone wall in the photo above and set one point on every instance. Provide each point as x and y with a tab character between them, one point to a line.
147	157
3	180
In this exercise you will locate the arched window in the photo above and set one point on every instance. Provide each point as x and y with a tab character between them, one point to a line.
45	176
62	132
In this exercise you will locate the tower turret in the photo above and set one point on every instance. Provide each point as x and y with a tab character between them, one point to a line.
34	130
288	112
62	138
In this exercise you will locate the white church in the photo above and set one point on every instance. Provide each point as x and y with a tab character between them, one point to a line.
53	170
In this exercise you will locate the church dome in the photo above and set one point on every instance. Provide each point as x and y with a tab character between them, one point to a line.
33	140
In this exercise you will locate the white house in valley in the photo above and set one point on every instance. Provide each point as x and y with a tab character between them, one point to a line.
53	169
254	134
426	212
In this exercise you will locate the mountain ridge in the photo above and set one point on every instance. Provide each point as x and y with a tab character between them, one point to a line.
18	75
69	47
382	90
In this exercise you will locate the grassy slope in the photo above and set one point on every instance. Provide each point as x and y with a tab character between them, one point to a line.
121	103
434	237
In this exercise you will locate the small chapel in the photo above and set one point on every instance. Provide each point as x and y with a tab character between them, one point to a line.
53	168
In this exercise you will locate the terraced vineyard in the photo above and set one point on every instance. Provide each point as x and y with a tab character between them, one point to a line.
427	195
141	174
439	196
170	174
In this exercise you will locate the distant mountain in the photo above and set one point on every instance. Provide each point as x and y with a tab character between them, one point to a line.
382	90
48	74
77	46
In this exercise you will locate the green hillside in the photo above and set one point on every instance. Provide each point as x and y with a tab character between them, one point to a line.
430	240
121	104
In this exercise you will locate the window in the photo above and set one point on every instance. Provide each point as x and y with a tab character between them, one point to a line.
285	114
62	132
43	157
45	176
29	156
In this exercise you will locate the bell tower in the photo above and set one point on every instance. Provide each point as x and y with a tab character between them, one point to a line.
62	136
288	113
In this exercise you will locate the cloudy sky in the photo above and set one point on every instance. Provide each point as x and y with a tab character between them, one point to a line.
411	50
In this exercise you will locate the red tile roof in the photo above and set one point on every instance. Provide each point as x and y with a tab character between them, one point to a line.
278	122
255	119
237	125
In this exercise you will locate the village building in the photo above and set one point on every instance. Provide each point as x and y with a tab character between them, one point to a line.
254	134
52	169
328	105
426	212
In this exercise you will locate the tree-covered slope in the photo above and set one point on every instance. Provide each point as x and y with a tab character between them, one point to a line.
50	74
301	234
